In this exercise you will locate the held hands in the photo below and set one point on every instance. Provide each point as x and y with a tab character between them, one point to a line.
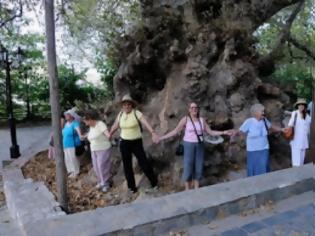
229	132
83	137
155	138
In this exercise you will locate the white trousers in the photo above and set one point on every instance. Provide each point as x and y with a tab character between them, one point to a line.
297	156
71	161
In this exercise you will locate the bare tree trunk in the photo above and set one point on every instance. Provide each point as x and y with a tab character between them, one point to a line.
61	178
311	152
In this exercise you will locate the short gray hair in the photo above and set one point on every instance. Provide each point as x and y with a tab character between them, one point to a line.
256	108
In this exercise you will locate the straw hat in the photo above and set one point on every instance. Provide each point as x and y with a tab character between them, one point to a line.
127	98
72	113
300	101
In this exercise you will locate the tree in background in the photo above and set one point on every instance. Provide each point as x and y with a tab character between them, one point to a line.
294	60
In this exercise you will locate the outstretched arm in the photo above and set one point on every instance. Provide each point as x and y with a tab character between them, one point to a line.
179	127
107	134
274	128
216	132
81	136
114	127
149	128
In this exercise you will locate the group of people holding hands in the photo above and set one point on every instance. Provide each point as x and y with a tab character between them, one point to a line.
131	122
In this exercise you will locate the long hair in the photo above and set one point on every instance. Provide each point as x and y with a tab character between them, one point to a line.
304	112
198	111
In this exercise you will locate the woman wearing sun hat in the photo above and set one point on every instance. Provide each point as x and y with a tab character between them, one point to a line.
130	122
301	122
71	136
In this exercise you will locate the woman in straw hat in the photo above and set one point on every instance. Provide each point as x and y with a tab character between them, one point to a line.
301	122
130	122
71	137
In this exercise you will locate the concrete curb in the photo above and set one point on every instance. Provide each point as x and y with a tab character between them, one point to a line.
28	201
175	211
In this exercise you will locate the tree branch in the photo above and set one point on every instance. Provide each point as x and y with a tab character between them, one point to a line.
3	23
285	33
303	48
276	53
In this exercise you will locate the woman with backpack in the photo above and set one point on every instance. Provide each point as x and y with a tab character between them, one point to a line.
130	122
194	127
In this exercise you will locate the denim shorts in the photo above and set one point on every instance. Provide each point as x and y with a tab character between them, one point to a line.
193	161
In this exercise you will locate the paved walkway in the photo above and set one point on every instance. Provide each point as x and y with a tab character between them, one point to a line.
294	216
30	139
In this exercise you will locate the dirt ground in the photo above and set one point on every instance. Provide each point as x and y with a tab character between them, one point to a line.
81	190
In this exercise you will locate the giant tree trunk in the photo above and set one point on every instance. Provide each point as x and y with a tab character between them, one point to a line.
61	178
203	51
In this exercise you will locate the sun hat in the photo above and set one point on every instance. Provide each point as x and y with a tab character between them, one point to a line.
72	113
213	139
127	98
300	101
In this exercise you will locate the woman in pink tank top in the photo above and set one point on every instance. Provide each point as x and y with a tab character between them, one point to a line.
194	126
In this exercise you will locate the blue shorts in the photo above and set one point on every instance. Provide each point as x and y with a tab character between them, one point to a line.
193	161
257	162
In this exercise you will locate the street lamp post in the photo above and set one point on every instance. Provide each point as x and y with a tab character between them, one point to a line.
4	60
27	97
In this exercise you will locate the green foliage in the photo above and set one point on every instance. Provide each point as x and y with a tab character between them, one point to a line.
75	88
294	68
107	71
297	75
99	26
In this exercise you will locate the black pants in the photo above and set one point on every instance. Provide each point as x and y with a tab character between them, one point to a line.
129	147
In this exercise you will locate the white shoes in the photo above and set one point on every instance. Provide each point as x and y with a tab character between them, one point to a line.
105	189
73	175
98	186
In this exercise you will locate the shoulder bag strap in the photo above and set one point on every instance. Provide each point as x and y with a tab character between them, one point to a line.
295	117
266	126
73	134
199	141
140	125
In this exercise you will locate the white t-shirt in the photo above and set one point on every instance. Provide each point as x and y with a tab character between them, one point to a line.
97	138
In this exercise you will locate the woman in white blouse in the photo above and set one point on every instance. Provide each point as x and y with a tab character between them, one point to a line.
301	122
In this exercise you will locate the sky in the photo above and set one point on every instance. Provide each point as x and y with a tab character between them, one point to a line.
63	50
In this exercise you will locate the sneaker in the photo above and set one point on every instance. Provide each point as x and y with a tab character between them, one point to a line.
98	186
152	189
133	190
104	189
73	175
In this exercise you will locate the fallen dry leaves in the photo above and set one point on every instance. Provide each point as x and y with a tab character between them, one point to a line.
82	193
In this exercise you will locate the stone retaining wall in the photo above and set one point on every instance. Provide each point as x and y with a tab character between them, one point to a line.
160	215
28	201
